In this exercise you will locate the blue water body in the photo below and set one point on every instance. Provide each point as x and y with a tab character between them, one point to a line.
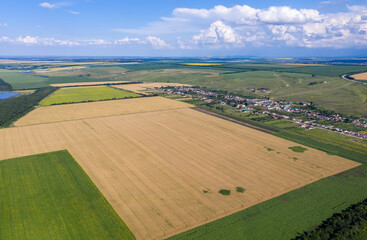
5	95
40	76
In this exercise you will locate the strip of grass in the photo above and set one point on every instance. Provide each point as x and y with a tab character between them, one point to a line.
284	216
333	138
298	149
86	94
49	196
324	146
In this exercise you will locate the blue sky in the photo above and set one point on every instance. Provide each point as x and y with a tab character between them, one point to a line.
184	28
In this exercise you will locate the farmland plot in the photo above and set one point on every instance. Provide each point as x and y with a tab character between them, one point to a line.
163	171
98	109
86	94
141	87
48	196
87	83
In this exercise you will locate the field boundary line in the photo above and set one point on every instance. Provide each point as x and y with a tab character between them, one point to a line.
164	110
232	120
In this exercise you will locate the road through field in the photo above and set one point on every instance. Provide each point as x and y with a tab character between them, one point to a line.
162	171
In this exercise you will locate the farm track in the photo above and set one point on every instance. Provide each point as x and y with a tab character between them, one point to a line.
153	167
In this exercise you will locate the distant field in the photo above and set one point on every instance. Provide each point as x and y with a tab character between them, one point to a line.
163	171
142	87
202	64
100	72
360	76
75	79
86	83
86	94
21	80
284	81
332	93
284	216
48	196
77	111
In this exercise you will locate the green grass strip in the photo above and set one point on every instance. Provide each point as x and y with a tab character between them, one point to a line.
49	196
320	145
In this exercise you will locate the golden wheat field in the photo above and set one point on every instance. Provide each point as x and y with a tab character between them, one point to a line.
154	167
360	76
76	111
141	87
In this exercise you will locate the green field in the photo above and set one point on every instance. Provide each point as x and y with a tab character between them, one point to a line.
21	80
74	79
282	217
290	82
86	94
49	196
328	137
24	80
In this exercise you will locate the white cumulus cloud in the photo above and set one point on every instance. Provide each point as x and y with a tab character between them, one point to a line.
35	40
98	42
48	5
218	34
126	41
157	43
287	15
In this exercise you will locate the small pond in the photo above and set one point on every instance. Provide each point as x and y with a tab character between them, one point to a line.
5	95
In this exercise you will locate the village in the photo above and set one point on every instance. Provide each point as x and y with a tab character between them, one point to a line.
269	107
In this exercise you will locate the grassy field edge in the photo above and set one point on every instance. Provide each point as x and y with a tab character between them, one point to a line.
279	218
49	196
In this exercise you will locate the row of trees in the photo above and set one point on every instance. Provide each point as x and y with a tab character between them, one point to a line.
13	108
349	224
4	86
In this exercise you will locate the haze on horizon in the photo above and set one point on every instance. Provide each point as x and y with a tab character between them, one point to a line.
184	28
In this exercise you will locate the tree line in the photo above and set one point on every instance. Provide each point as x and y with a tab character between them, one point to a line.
13	108
351	223
4	86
